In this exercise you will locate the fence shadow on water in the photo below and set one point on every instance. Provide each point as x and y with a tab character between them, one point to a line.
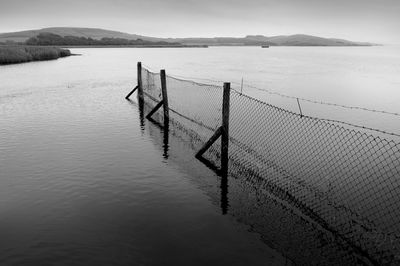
330	187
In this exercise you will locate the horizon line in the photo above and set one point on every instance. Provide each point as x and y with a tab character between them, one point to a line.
182	37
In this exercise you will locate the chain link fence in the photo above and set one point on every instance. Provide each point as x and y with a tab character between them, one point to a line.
346	180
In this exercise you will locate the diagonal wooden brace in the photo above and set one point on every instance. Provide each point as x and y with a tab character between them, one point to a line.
129	95
155	109
210	142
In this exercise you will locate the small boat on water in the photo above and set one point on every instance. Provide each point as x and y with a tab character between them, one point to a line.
264	46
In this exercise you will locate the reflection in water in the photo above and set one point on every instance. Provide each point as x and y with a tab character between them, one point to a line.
164	125
157	120
224	183
165	131
141	114
223	173
209	165
224	193
140	105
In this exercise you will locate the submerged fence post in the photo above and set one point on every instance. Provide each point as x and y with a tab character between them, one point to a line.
225	126
163	102
224	192
164	95
139	80
139	83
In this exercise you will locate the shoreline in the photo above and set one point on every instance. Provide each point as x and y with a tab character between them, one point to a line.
131	46
201	46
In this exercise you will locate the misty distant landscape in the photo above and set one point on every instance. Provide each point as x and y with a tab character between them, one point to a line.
121	38
12	50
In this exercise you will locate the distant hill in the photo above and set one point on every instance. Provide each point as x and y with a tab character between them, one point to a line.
307	40
291	40
219	41
97	34
93	33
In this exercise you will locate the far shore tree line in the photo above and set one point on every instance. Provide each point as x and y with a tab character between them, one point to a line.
50	39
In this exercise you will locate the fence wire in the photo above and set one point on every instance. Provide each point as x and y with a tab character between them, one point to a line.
346	180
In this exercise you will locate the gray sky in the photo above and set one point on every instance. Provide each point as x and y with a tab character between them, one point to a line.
358	20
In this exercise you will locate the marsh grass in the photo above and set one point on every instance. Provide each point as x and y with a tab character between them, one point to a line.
20	54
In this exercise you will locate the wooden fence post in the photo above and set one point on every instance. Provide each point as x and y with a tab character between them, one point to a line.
164	95
164	101
139	83
225	126
139	80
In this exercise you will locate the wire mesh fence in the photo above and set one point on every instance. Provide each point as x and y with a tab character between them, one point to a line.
346	180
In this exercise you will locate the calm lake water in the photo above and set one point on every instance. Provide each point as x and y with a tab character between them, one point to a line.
83	181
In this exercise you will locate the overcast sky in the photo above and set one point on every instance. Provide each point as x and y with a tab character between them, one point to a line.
357	20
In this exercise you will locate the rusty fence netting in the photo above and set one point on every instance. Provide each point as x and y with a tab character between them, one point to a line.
345	179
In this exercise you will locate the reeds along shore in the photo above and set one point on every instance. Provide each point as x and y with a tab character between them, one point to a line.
20	54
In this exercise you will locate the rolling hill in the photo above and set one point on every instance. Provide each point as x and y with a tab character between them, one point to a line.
308	40
93	33
290	40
